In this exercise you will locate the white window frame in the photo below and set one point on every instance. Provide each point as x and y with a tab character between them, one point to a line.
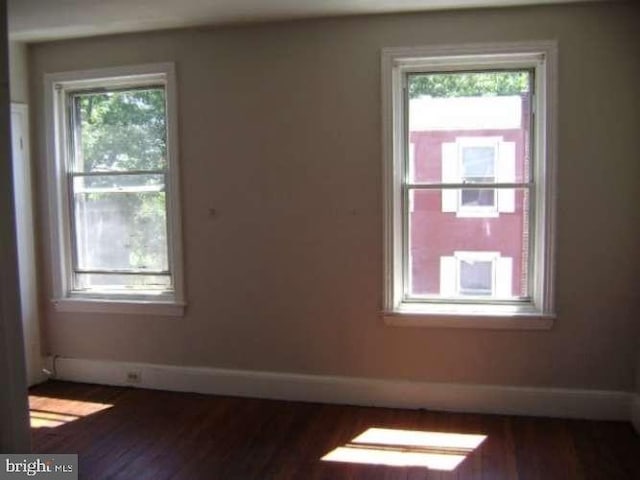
65	298
538	311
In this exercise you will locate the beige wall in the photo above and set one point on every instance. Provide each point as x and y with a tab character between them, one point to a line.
18	82
280	132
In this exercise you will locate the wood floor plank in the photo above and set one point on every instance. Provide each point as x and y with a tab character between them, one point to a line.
135	434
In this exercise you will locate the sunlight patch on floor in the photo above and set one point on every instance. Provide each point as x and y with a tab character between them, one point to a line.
52	412
404	448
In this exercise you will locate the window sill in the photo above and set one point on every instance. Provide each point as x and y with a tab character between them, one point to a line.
132	306
469	316
464	213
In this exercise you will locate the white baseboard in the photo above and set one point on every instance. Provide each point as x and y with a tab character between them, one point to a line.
550	402
635	412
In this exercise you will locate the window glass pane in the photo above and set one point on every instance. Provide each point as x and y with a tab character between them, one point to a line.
476	277
120	223
469	125
120	130
470	197
120	283
478	162
441	236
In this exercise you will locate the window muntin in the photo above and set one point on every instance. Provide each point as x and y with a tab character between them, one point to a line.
523	189
113	176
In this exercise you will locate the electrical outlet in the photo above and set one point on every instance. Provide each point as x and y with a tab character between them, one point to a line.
134	377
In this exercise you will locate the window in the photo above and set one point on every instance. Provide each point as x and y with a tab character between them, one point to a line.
476	274
475	277
477	165
472	160
469	185
114	184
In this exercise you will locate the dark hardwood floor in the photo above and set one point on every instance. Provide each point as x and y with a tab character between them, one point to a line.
126	433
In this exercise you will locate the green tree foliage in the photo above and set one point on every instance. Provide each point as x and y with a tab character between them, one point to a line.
468	84
122	130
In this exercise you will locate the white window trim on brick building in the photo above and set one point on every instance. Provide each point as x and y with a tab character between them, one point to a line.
399	308
451	273
504	172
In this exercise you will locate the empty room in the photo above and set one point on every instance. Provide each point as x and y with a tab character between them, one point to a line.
320	239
